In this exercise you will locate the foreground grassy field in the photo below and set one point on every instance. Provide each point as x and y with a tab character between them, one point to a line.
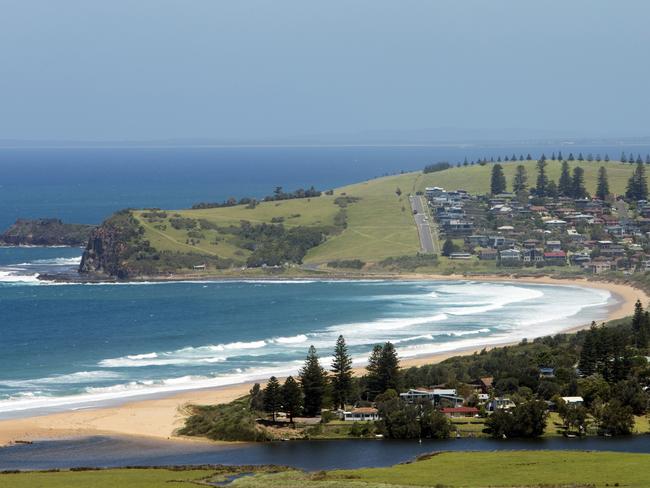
379	223
449	469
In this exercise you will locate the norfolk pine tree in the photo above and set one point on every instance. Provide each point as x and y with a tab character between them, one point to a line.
272	396
602	188
313	380
341	373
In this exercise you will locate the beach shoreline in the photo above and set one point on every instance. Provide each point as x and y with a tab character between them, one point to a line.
159	417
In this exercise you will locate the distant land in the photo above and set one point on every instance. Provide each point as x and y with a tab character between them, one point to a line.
366	226
440	136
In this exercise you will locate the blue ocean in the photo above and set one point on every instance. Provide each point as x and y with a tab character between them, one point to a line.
74	345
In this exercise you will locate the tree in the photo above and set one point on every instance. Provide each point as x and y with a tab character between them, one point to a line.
382	370
498	181
588	354
520	181
637	185
542	179
313	380
272	396
291	398
341	373
389	373
256	402
615	419
578	183
564	184
640	326
448	247
602	188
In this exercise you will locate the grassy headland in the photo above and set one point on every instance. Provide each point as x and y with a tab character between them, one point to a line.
368	223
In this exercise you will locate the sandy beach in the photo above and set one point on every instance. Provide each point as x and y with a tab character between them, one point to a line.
160	417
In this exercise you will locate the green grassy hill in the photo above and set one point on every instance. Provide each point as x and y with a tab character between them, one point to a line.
476	179
378	225
368	221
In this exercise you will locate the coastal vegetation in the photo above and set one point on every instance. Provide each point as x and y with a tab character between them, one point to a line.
593	382
522	469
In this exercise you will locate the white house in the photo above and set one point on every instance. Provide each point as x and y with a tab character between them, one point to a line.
361	414
573	400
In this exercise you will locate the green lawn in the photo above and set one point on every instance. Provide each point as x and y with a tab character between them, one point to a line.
111	478
515	468
476	179
448	469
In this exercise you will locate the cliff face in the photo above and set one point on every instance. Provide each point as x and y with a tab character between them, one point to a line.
111	246
46	232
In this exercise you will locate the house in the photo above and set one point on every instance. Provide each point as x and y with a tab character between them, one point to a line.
546	373
487	254
499	404
437	396
555	224
460	255
510	255
482	385
554	245
573	400
533	255
460	411
417	394
598	266
361	414
555	258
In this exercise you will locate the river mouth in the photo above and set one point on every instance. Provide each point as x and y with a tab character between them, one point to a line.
108	452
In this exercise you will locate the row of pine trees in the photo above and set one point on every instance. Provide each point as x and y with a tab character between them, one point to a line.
570	184
315	387
624	158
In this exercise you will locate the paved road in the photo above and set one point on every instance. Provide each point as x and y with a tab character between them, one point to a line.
424	224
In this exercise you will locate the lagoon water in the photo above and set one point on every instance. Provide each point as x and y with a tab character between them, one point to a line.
100	451
71	345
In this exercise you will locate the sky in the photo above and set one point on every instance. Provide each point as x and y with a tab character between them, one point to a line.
255	70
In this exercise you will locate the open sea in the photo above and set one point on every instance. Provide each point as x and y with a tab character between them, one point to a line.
65	346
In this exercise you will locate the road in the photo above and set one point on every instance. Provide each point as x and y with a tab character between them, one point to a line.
426	228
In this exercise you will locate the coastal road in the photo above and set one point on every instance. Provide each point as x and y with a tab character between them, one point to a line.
426	228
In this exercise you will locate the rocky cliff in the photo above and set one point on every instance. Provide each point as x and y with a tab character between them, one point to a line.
113	246
46	232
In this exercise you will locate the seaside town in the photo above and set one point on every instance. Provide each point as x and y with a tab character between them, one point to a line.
549	225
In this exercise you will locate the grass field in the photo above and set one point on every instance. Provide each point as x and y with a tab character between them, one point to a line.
449	469
113	478
515	468
476	179
379	225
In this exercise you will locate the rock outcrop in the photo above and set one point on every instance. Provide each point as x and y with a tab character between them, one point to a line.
46	232
111	247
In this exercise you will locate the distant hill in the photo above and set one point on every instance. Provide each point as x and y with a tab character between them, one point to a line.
367	222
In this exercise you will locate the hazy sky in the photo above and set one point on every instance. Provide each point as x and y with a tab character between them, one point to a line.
157	69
